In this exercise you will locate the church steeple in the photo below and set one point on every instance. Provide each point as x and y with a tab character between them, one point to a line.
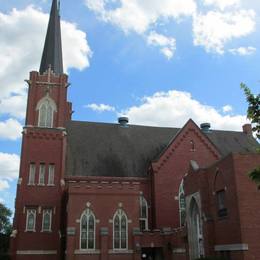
52	52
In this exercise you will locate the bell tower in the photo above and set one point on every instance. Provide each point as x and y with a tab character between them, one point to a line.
38	230
47	97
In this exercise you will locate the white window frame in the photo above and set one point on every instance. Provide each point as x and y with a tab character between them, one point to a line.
51	175
44	213
42	170
120	213
143	202
32	174
181	209
49	104
47	122
28	212
88	212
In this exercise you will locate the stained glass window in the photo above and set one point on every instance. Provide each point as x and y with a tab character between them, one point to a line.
30	219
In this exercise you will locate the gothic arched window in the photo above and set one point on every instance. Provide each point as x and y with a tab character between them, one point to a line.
30	220
143	220
87	230
197	249
182	205
46	220
46	108
120	230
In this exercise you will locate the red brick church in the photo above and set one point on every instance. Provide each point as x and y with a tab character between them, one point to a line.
102	191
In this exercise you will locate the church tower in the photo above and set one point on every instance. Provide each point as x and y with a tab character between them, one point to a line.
38	232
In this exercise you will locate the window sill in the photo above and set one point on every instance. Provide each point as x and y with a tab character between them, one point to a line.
120	251
30	231
145	230
46	231
87	252
40	184
222	218
50	185
29	184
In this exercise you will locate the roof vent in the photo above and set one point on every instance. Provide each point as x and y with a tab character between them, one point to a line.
123	121
205	127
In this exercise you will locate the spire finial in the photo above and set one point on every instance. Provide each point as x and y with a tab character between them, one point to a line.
52	52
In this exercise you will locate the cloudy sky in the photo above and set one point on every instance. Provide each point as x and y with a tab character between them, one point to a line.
160	62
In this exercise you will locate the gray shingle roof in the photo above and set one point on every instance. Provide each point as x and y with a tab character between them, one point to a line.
101	149
232	141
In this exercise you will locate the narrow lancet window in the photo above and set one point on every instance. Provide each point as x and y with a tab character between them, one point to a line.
46	220
182	205
87	230
120	230
42	174
143	220
51	175
31	220
31	180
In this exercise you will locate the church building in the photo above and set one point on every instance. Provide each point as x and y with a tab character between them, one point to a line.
102	191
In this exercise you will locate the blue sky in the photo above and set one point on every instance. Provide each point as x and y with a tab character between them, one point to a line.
158	62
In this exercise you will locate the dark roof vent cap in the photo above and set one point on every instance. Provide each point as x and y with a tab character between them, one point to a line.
123	121
205	127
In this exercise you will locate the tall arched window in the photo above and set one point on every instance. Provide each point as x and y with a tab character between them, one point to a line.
30	220
195	231
182	205
120	230
143	220
46	108
46	220
87	230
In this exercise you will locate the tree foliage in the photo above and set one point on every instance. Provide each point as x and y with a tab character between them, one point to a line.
253	113
5	224
5	231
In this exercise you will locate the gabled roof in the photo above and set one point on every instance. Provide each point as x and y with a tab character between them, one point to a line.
52	52
101	149
232	141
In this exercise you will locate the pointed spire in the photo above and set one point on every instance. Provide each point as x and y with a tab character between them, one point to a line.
52	52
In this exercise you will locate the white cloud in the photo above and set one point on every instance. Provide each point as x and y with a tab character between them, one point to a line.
227	108
9	166
14	105
214	29
76	51
9	169
222	4
21	50
174	108
4	185
10	129
2	201
167	44
100	108
224	22
243	51
139	15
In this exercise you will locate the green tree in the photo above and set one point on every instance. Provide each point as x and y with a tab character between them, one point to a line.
5	224
5	231
253	114
253	111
